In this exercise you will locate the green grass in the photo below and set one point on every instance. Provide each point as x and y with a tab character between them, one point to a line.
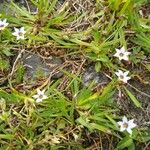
70	115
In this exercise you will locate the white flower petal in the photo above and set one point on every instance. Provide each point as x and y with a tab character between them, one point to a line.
16	30
116	54
117	50
39	100
128	78
120	57
120	123
22	30
124	80
44	97
129	130
6	24
122	129
18	37
3	24
35	96
22	37
122	50
127	53
120	72
43	91
15	33
125	57
117	73
124	119
39	92
2	28
4	21
132	124
126	73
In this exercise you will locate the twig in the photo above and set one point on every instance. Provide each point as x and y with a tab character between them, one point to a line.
147	145
28	6
107	76
14	64
81	66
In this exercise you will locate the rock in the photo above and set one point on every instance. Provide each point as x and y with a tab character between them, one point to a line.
36	67
91	75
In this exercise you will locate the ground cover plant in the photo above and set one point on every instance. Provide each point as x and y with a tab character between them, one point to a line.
75	74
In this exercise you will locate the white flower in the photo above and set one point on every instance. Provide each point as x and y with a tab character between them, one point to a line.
122	54
3	24
40	96
19	33
123	76
126	125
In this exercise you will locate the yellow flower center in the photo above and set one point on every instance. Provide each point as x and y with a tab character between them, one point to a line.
121	76
40	96
125	125
20	33
1	25
121	54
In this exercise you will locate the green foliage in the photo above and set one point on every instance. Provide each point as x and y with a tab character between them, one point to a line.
19	73
143	41
133	98
126	142
60	121
4	65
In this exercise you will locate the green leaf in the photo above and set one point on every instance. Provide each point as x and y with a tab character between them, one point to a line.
96	36
82	120
124	143
103	58
131	147
22	12
100	127
97	66
146	137
107	93
147	66
133	98
88	99
6	136
7	52
4	64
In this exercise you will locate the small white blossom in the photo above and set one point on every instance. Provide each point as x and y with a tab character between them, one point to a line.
40	96
19	33
3	24
126	125
122	54
123	76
